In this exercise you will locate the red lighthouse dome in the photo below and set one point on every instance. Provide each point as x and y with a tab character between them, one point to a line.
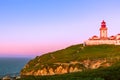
103	24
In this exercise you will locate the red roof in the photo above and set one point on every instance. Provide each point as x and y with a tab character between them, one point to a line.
118	34
103	25
95	36
103	22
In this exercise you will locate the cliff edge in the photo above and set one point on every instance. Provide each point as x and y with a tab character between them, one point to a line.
76	58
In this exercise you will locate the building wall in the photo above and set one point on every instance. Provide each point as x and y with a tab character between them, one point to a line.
103	33
98	42
117	42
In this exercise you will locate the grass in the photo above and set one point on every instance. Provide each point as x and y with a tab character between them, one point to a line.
78	53
110	73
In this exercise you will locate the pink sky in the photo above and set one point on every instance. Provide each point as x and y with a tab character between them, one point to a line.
35	27
31	50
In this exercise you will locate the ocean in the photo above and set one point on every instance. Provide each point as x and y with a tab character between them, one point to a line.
12	66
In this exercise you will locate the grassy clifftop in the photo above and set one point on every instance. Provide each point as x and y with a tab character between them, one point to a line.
77	53
73	59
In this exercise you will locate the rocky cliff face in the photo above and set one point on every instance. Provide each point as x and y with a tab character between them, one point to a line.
76	58
62	68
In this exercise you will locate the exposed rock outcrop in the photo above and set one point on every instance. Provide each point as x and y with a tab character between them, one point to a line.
62	68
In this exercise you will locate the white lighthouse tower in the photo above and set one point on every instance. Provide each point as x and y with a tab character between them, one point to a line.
103	31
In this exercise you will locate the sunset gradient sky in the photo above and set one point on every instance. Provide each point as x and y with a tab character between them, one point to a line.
34	27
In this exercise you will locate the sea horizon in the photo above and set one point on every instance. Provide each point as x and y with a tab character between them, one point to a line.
12	65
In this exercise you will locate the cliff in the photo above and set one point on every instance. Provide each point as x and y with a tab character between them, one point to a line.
75	58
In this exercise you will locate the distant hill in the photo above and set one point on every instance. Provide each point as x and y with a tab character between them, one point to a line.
76	60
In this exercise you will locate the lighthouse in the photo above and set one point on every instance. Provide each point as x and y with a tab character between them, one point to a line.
103	31
103	38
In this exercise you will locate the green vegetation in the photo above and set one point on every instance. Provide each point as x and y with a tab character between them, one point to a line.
79	53
76	53
110	73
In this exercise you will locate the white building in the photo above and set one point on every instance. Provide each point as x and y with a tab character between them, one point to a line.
103	39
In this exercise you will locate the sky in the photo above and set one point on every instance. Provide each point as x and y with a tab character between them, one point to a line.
30	28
